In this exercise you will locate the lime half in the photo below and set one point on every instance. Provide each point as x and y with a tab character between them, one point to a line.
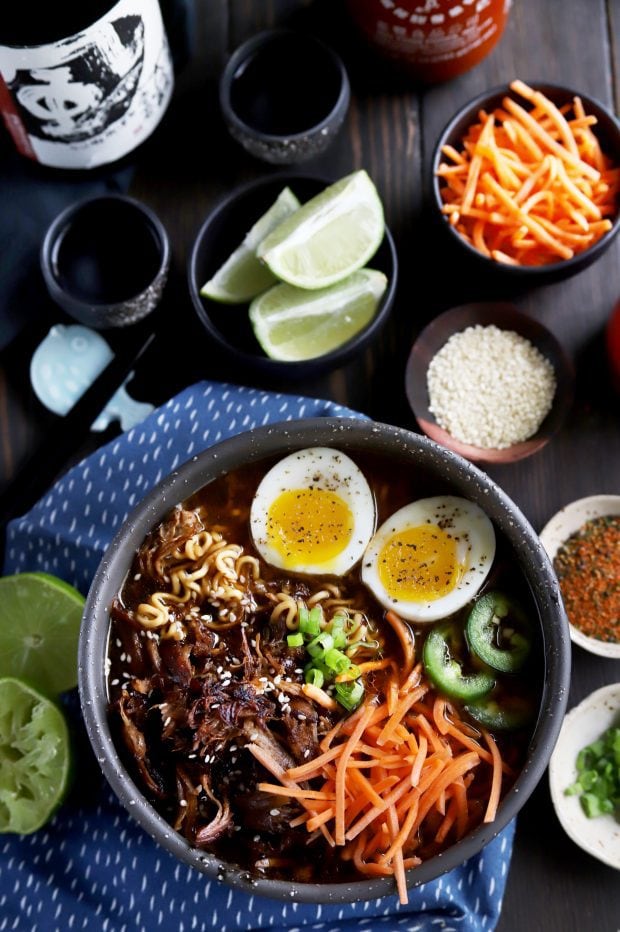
34	758
242	276
329	237
293	324
40	619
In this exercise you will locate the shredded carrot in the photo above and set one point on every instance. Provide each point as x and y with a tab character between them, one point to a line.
405	637
402	707
395	779
319	696
358	669
496	785
341	772
530	186
294	792
416	770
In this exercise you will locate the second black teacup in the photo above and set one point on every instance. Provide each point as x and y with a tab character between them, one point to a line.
284	96
105	260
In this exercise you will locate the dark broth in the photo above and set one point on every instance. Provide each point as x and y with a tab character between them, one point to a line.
226	502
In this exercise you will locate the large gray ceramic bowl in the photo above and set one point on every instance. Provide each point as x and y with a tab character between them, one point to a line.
406	450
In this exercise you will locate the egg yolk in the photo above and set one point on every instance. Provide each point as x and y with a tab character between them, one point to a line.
419	564
309	526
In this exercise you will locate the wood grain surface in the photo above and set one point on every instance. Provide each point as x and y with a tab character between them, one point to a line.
391	130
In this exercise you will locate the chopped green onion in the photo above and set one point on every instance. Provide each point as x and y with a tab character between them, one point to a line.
598	775
367	645
295	640
349	695
314	677
302	615
318	664
316	614
309	622
336	629
336	660
319	646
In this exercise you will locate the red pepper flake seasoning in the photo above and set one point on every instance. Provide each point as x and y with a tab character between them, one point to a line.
588	568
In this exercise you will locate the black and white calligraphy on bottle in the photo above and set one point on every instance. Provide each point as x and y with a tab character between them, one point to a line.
91	98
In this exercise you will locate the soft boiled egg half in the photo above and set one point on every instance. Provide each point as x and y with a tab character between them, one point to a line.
313	512
430	557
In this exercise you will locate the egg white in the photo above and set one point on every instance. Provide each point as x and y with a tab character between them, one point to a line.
473	535
328	470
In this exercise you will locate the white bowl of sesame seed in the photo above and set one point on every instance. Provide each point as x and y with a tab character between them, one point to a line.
489	382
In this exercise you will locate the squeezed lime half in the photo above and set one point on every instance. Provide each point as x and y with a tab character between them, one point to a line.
34	758
242	276
292	324
329	237
40	619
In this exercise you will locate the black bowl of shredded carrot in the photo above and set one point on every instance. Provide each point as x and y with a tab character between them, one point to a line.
222	741
527	180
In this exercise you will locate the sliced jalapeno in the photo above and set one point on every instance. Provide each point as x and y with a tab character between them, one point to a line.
513	712
499	632
445	672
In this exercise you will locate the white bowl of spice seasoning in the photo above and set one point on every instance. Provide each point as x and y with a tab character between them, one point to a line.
583	541
489	382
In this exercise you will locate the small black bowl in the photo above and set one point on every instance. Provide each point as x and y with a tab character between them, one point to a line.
284	96
229	327
607	130
105	260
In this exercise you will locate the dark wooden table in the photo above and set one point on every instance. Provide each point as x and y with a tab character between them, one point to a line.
390	131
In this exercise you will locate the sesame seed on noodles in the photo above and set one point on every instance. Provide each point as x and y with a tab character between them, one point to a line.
489	387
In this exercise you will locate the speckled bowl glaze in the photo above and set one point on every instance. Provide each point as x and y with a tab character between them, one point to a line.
404	449
600	836
315	137
557	531
109	211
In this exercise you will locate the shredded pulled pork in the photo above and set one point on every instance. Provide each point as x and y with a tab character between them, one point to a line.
206	694
218	712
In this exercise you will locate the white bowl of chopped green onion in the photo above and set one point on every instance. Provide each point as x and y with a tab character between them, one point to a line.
584	775
583	541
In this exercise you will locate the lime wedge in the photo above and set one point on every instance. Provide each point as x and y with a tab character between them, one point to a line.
242	276
293	323
329	237
40	619
34	758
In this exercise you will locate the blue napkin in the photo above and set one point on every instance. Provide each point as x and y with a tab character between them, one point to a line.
93	866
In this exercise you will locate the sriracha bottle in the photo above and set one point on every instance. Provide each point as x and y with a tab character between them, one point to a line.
432	40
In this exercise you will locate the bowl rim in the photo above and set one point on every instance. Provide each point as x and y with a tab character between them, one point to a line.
487	309
330	360
253	44
60	225
349	434
558	529
535	271
559	779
